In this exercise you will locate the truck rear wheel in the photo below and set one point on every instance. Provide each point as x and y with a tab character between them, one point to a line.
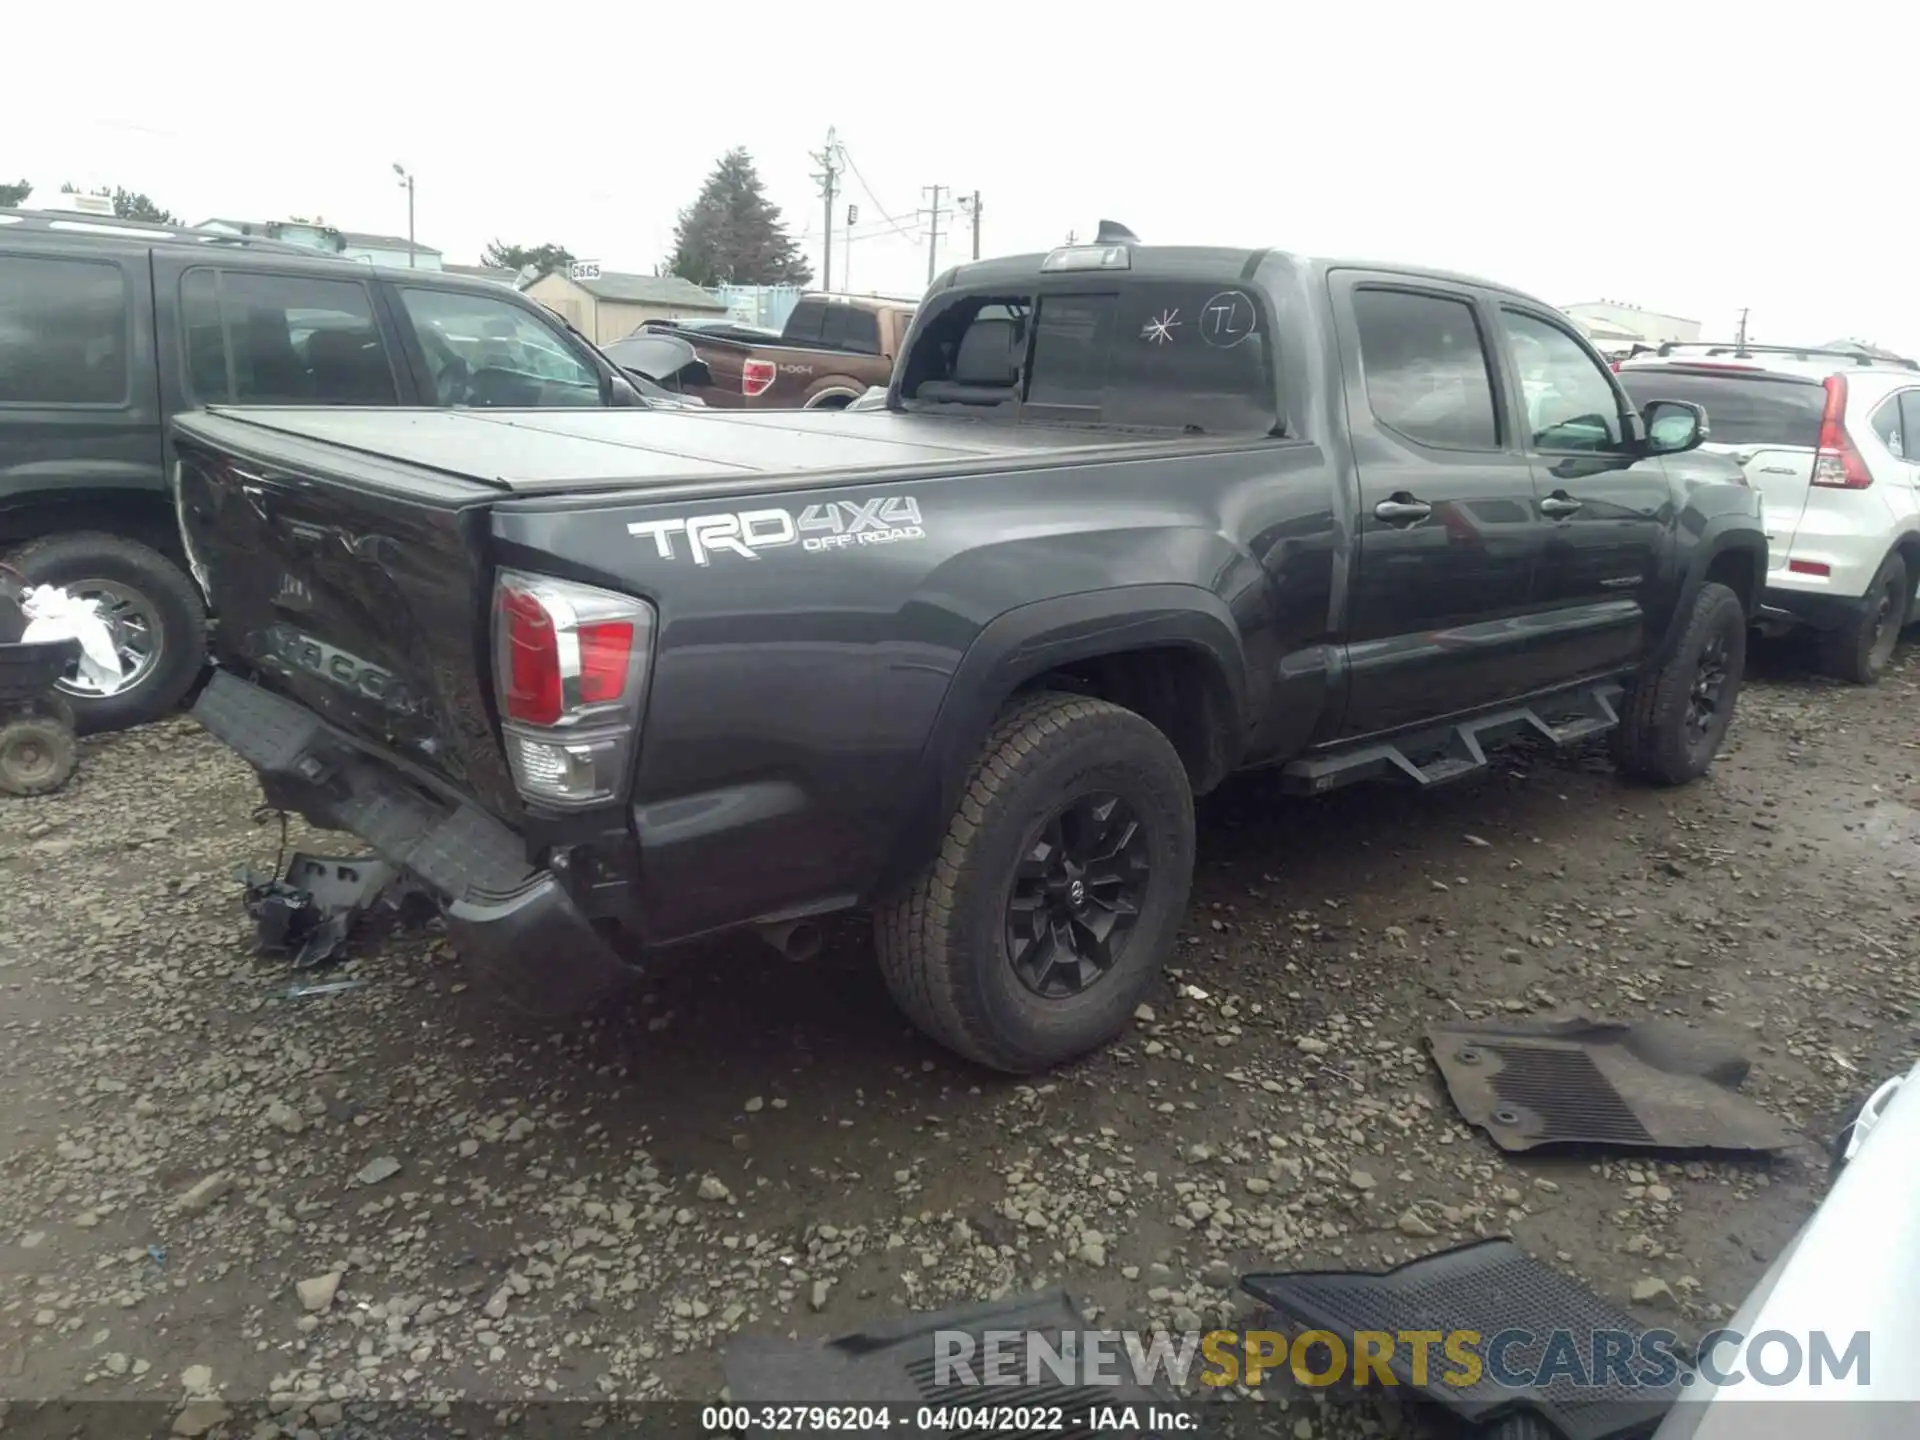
154	610
1673	719
1056	894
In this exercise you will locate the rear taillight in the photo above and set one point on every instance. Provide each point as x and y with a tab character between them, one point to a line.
756	377
1838	465
570	670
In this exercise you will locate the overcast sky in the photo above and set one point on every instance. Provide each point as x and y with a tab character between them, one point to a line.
1691	157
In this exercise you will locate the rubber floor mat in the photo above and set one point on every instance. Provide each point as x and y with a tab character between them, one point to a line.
895	1364
1579	1082
1490	1287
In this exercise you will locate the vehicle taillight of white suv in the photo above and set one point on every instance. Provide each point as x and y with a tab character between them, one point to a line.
1831	439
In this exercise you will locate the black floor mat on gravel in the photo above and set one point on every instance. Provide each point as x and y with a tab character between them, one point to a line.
1489	1287
1578	1082
894	1364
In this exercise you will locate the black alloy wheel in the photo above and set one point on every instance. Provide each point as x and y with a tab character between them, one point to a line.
1709	690
1076	896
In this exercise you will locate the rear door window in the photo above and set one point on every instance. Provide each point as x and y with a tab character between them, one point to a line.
1910	425
1741	409
1424	362
258	338
63	332
1887	425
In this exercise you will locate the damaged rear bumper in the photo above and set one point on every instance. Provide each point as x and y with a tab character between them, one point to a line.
513	922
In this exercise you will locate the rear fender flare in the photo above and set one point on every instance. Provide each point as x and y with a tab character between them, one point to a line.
1029	641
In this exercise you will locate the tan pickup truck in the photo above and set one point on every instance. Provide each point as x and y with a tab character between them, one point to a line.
831	350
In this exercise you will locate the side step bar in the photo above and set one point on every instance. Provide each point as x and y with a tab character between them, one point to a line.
1449	752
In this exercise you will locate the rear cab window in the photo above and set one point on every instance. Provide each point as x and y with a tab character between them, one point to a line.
847	327
1742	409
65	328
1190	357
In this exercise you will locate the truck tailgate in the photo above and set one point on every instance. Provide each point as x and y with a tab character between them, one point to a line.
367	603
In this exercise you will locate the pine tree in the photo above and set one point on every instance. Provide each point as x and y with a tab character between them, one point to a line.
732	234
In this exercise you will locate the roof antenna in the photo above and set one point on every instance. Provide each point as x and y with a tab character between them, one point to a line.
1112	232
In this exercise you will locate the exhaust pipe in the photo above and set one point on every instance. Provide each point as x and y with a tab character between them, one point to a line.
795	939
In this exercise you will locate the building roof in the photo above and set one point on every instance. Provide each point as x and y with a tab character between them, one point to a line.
651	290
350	239
361	240
1624	305
484	272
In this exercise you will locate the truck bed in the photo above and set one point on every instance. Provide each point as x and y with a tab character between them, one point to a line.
544	451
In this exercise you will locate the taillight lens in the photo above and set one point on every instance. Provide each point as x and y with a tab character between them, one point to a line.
570	667
530	672
756	377
606	650
1838	465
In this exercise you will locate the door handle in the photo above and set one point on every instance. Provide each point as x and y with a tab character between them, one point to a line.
1559	504
1402	509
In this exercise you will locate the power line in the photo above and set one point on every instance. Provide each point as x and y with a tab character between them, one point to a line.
867	190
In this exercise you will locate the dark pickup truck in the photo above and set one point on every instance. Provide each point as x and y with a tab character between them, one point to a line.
830	351
1134	518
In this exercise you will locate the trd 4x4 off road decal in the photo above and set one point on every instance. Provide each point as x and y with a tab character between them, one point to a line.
835	525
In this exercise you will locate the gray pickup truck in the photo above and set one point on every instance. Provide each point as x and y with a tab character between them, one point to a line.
1134	518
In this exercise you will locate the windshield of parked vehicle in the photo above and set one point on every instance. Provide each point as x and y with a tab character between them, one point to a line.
1741	409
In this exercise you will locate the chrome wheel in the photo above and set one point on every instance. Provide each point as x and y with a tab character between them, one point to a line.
137	636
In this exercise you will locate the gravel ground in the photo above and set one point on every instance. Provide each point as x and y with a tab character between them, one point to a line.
212	1192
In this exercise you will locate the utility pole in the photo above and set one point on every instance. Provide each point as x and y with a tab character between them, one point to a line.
1742	342
970	207
830	163
933	214
406	183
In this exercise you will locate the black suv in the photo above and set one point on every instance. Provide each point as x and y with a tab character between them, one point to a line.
109	327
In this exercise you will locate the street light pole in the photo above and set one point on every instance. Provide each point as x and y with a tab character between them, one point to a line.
406	181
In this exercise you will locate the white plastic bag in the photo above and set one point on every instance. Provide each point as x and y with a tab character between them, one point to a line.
53	614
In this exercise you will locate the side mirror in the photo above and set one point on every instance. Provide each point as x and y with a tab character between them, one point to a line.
1674	426
621	391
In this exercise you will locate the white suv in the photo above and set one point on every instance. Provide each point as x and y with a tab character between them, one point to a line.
1831	439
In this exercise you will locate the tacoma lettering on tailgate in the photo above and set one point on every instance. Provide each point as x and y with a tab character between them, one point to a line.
294	650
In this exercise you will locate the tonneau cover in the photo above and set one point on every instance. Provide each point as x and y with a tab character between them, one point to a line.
543	450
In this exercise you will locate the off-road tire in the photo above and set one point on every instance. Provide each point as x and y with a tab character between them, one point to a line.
179	613
942	942
37	754
1862	651
1651	742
